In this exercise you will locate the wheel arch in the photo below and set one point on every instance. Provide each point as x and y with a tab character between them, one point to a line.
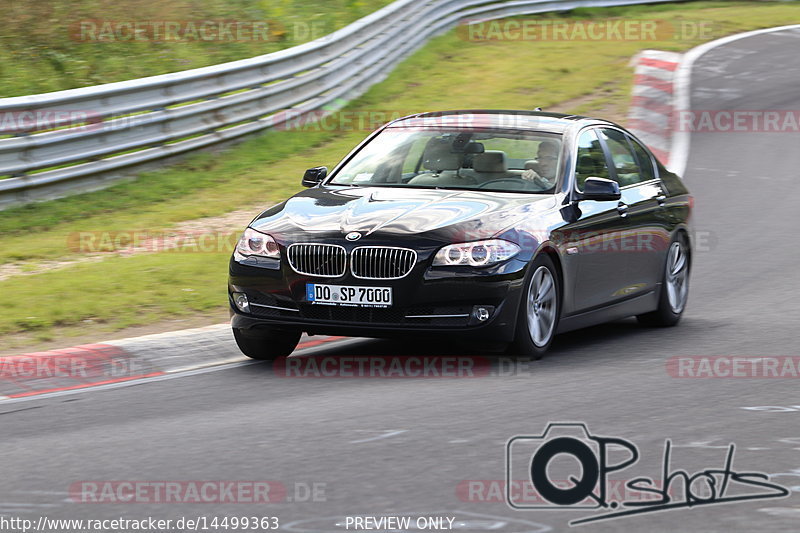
552	253
683	233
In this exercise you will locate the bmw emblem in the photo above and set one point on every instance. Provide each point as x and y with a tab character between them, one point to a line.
353	236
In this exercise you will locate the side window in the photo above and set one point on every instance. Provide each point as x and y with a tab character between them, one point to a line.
591	162
625	163
645	161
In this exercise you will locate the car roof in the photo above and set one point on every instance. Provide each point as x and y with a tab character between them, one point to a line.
494	119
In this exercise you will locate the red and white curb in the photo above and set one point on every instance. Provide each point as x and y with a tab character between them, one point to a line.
652	110
124	360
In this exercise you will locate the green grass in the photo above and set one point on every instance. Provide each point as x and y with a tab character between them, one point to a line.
41	48
143	289
448	73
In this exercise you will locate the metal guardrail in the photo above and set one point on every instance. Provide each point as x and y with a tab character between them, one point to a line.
149	119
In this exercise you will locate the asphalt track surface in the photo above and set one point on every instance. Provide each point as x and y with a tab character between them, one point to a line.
404	446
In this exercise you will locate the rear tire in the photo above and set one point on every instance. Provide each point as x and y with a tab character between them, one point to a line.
266	344
674	287
539	311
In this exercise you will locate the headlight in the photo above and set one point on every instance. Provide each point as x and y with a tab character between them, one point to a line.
254	242
477	254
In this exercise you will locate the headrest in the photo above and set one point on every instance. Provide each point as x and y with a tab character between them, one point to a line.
438	157
490	161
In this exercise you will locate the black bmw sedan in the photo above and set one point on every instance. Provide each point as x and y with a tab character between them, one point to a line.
502	228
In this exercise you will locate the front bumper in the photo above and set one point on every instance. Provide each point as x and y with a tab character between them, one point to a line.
427	301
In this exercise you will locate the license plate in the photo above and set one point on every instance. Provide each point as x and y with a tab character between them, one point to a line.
349	295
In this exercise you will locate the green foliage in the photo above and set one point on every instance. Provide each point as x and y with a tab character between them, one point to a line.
43	48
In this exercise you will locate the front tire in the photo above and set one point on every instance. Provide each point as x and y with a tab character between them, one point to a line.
674	287
266	344
539	310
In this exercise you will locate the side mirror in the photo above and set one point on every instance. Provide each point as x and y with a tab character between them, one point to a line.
314	176
600	189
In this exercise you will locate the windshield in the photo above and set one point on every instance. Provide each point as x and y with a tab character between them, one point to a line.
494	160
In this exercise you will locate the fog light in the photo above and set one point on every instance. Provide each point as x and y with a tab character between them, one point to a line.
480	314
240	299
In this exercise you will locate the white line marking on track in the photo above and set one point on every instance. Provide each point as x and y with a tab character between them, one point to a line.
789	512
132	382
390	433
679	155
221	362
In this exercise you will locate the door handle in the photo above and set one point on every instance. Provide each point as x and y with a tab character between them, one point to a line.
661	198
622	209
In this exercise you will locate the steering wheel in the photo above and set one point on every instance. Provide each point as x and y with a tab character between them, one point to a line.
518	182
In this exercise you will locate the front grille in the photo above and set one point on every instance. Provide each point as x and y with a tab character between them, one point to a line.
324	260
382	262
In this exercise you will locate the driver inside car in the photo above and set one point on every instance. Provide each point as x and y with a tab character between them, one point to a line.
543	170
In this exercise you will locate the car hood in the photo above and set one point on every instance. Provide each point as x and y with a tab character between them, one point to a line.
446	214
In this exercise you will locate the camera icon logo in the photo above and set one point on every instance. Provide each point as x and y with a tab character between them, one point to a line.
565	466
